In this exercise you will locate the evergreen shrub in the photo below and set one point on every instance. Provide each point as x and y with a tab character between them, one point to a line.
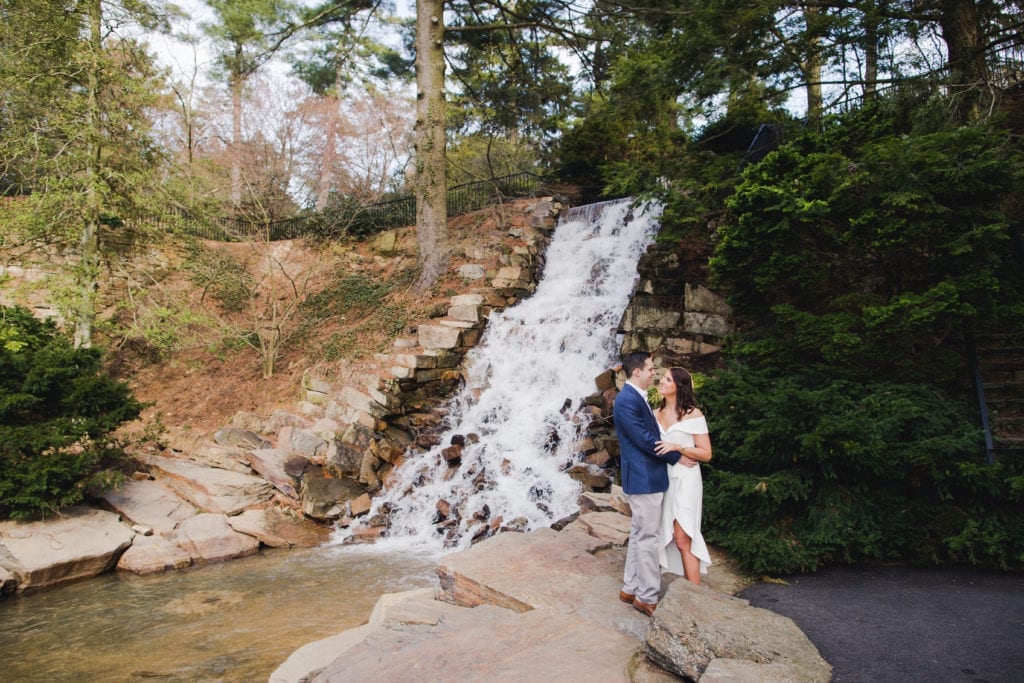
57	412
857	259
810	470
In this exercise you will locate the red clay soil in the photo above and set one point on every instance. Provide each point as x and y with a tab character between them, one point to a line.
196	392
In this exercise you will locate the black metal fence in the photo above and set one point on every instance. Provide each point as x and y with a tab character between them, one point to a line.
350	218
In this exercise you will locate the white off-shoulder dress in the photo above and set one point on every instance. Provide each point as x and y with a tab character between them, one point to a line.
683	501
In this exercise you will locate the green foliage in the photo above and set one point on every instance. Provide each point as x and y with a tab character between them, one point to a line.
866	250
810	470
484	156
509	78
57	410
219	274
349	295
855	259
362	306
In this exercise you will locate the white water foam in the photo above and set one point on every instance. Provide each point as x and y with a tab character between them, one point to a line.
533	359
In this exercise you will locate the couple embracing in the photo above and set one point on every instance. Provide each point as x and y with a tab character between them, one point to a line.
660	452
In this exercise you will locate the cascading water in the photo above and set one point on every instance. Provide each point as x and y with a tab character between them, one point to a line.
524	381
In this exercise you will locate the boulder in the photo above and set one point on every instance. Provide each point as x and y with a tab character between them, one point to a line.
278	529
700	298
695	625
439	336
281	468
248	421
208	537
724	670
540	645
610	527
82	542
305	442
567	571
411	637
8	581
325	498
282	418
311	659
221	457
151	554
385	242
210	489
706	324
149	503
471	271
591	501
592	478
240	438
326	428
368	471
360	505
465	312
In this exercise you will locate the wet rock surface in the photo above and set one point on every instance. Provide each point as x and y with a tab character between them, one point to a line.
548	603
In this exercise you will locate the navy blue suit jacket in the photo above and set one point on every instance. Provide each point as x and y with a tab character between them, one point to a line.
643	470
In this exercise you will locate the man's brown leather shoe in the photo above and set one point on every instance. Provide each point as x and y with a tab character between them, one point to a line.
626	597
645	607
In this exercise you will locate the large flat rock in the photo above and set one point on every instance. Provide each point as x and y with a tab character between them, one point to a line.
209	538
149	503
281	468
544	606
277	529
152	554
539	645
567	571
412	637
694	626
211	489
82	542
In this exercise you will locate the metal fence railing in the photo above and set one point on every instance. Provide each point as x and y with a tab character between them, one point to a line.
347	218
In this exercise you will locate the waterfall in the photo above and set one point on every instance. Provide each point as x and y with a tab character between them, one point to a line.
518	411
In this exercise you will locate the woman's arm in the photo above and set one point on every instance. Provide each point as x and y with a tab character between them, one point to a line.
700	451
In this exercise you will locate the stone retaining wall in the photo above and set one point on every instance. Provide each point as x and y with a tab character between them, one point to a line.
33	279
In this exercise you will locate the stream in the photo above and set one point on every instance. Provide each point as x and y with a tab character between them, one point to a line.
234	621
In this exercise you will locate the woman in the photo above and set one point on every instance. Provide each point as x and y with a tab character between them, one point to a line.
683	429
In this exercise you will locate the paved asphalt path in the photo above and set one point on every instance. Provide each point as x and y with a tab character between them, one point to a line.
907	624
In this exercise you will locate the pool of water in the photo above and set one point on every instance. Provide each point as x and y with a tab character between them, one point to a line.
235	621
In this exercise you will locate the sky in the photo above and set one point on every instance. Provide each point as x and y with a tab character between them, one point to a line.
183	58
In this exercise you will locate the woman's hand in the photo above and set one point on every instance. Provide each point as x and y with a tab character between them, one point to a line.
663	447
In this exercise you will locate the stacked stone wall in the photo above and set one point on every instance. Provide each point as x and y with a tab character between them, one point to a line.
34	278
672	313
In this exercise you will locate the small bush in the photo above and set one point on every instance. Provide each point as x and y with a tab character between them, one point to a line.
57	410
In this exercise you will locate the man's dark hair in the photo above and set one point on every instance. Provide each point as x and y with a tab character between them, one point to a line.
634	361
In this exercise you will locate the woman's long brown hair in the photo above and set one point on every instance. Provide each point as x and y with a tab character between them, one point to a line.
686	402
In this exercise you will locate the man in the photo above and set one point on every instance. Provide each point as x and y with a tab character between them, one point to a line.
644	481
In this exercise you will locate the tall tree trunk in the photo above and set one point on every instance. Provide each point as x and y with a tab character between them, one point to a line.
812	65
89	242
431	184
870	47
966	59
330	155
237	90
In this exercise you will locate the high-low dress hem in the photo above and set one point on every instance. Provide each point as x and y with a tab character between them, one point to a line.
683	502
